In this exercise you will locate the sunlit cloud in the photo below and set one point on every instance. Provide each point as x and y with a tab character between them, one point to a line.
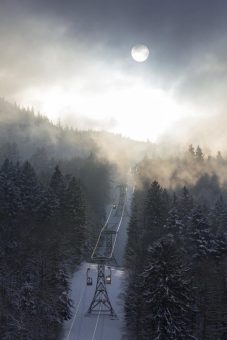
128	105
81	71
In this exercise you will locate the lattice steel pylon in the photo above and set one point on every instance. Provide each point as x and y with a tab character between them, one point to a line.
103	254
101	303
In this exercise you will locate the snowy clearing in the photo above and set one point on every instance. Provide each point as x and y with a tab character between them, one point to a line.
94	327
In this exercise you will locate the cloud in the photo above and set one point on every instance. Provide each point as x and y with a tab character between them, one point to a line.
85	46
208	131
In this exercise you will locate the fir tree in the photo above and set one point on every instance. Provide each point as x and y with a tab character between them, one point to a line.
185	205
133	306
155	213
133	247
174	224
218	217
200	240
57	185
167	294
74	217
199	155
31	194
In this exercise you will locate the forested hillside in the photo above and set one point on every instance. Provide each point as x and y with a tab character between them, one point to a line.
50	214
24	134
55	184
176	256
42	232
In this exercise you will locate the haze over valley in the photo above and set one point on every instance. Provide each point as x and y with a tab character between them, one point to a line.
113	170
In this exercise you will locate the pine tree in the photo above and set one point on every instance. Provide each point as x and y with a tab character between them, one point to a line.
206	252
155	213
167	295
31	194
218	217
57	192
74	217
10	200
133	247
48	207
174	225
198	234
185	205
57	185
200	240
199	155
166	200
134	305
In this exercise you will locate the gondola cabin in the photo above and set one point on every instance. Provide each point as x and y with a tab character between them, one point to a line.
108	279
108	276
89	278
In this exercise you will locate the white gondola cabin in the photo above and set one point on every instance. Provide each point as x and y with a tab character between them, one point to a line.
108	276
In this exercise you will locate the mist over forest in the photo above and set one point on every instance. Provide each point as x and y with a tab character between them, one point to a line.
113	170
51	216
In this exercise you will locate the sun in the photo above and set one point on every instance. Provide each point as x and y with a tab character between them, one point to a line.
140	53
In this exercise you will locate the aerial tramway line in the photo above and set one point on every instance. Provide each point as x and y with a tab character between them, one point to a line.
103	256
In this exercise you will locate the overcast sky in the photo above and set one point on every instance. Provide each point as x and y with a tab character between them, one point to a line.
71	60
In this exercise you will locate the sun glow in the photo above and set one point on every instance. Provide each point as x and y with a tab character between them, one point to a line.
135	110
140	53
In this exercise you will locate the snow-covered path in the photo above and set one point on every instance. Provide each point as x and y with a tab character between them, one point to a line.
94	327
100	327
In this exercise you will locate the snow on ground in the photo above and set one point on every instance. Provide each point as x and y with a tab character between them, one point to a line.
94	327
100	327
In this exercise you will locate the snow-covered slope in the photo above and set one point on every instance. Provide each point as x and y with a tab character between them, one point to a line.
100	327
94	327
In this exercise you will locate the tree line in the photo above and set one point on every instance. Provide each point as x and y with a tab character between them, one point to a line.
46	229
42	233
50	216
176	260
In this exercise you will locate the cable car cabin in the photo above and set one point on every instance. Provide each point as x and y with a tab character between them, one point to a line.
89	281
108	276
89	278
108	279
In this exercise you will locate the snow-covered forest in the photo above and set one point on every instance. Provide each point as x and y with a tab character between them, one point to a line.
176	255
55	185
50	215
